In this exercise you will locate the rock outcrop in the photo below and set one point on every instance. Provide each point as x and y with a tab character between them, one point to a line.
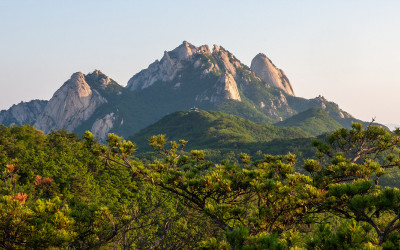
72	104
102	126
330	107
226	88
22	113
100	78
218	65
264	68
165	69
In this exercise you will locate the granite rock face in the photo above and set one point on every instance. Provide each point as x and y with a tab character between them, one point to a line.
165	69
218	62
264	68
226	60
72	104
22	113
227	89
102	126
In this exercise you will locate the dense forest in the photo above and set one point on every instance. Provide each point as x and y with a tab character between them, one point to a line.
63	191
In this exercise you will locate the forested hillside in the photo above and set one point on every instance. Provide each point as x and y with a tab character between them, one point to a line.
60	191
215	130
314	121
223	137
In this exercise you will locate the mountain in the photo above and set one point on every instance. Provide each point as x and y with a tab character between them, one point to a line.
211	80
263	67
214	130
71	104
184	77
216	80
392	126
22	113
314	121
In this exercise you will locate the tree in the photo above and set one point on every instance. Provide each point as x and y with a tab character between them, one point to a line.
268	197
348	170
265	196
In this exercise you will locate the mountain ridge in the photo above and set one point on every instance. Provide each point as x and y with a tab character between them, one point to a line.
184	77
315	121
23	112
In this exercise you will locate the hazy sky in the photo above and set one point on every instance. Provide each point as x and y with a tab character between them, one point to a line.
347	51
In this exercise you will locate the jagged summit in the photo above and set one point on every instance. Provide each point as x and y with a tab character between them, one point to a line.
184	51
264	68
102	82
71	104
97	75
218	74
166	68
218	61
215	48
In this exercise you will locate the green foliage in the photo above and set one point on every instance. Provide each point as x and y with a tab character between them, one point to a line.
349	235
261	196
244	109
59	191
70	198
214	130
36	224
349	167
314	121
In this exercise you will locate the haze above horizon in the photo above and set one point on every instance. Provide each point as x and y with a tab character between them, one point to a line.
346	51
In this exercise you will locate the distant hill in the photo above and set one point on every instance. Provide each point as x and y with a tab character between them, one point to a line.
392	126
314	121
214	130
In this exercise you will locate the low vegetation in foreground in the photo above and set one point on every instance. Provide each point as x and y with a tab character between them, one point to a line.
61	191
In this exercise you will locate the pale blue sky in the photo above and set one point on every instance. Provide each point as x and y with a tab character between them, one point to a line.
347	51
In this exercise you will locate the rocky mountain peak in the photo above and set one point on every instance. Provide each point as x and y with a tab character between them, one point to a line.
22	113
99	77
215	48
184	51
78	84
77	77
167	68
71	104
96	74
227	74
204	49
226	59
264	68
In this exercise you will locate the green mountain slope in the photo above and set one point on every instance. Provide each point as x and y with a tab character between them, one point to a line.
315	121
214	130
